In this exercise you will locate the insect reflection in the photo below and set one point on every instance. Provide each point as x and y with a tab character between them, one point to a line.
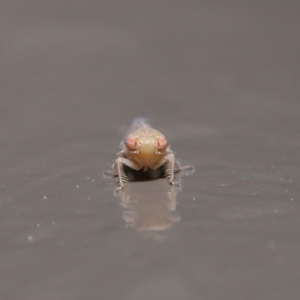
150	206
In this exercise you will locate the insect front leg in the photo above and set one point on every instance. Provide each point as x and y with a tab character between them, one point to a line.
118	168
170	171
172	167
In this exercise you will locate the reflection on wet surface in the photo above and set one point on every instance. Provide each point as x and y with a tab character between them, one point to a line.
150	205
148	209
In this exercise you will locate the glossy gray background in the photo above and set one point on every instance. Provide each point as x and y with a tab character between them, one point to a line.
220	79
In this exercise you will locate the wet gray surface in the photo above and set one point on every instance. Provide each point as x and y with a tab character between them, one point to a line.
220	80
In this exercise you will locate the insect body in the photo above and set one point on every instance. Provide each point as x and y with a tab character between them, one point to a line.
144	147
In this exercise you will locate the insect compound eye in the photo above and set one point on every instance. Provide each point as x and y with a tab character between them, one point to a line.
161	143
131	143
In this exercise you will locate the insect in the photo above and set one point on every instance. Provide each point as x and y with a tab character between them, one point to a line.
145	148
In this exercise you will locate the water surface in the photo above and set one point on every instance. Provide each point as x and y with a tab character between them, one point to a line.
220	80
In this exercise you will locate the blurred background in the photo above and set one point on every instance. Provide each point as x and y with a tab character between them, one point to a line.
220	79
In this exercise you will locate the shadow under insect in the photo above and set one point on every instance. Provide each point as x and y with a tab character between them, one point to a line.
141	175
131	175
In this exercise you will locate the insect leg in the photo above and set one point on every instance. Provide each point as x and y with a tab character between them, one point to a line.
118	167
179	168
171	162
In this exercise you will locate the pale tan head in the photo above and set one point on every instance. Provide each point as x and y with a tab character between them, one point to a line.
146	146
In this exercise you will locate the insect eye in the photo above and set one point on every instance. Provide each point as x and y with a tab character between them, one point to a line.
131	143
161	143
